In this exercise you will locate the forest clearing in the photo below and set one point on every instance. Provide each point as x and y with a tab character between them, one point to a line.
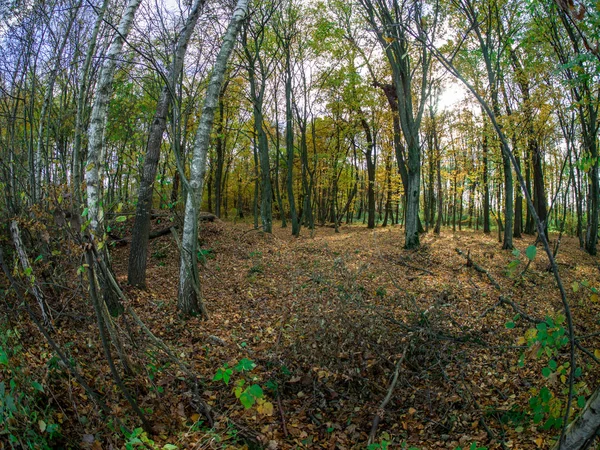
322	323
284	224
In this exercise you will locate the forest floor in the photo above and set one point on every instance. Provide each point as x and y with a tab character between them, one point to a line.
326	319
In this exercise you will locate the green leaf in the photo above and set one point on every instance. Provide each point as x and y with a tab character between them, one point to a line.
256	391
3	357
552	364
245	365
575	286
509	325
577	372
170	447
531	252
223	373
581	401
247	400
85	212
121	219
546	371
37	386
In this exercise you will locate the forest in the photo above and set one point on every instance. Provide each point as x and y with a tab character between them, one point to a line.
286	224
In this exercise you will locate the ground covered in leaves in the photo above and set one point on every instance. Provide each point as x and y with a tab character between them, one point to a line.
320	323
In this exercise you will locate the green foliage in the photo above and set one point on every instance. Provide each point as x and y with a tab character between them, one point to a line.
26	420
204	254
223	373
473	446
247	396
511	269
245	365
248	393
383	445
530	252
138	438
548	340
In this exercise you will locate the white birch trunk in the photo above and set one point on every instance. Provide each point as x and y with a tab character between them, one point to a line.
24	260
99	112
83	86
583	431
189	300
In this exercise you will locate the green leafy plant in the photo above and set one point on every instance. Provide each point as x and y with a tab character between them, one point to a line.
205	254
547	340
138	438
246	390
25	419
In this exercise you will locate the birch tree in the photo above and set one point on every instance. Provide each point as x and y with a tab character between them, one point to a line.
81	97
189	300
98	116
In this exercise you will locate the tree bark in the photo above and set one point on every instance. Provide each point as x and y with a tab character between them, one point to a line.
189	301
99	113
81	106
136	274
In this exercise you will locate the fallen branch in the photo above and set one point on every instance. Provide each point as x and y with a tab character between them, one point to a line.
105	344
153	338
415	267
35	287
516	308
381	410
478	268
66	361
283	426
127	240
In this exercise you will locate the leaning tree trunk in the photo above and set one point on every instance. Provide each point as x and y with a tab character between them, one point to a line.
96	131
136	274
35	287
189	300
99	113
583	431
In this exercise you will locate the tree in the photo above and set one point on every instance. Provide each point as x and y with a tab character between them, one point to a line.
391	22
98	117
136	274
255	38
189	300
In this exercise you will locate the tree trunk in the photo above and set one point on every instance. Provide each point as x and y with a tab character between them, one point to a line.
99	113
486	187
507	243
36	188
136	274
289	143
81	105
189	301
583	431
518	205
